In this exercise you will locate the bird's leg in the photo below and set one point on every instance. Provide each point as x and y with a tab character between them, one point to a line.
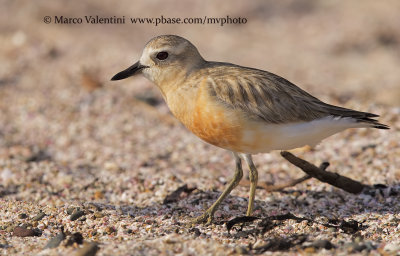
253	175
208	215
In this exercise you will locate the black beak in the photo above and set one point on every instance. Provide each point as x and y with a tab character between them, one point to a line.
132	70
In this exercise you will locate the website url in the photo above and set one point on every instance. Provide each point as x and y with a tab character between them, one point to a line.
203	20
162	20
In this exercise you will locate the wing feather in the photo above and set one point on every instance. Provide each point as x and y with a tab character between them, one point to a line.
269	97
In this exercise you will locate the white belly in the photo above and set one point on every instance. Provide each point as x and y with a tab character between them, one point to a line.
261	138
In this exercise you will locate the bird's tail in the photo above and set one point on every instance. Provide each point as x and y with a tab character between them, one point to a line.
365	119
369	121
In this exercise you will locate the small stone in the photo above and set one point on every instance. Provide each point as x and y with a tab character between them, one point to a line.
349	246
4	244
110	230
241	250
39	216
75	238
55	241
27	225
196	232
171	239
89	249
76	215
111	166
332	229
70	210
359	247
98	195
10	228
241	234
322	244
98	215
358	239
23	232
309	250
370	246
296	193
22	216
94	207
258	244
90	81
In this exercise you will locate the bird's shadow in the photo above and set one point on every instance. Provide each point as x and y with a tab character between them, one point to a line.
334	204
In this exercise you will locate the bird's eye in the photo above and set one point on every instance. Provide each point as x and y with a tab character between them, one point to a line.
162	55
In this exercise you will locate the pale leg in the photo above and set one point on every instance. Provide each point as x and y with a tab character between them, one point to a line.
253	175
209	213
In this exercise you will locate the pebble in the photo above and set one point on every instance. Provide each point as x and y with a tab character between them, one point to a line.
76	215
10	228
98	215
6	175
196	232
110	230
241	250
241	234
55	241
89	249
309	250
23	232
93	233
22	216
322	244
3	243
70	210
75	238
98	195
39	216
359	247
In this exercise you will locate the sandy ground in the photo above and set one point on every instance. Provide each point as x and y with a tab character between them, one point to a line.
97	159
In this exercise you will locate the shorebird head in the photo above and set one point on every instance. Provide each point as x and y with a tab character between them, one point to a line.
163	58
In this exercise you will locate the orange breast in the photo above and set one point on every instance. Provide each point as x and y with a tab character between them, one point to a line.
214	123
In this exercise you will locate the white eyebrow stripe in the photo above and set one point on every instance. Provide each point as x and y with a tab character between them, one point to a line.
163	49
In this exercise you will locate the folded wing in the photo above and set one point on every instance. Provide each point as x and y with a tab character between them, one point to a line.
264	95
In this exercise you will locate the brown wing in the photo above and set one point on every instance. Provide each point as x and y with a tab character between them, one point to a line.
264	95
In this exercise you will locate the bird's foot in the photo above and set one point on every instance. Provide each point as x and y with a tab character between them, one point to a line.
207	217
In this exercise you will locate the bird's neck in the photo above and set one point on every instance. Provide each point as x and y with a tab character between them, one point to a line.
179	94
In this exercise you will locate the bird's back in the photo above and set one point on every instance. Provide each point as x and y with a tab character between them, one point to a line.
269	97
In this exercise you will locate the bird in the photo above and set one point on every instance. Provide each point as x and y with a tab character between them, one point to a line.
241	109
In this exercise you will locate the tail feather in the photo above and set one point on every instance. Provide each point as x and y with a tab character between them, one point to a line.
373	123
381	126
359	116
